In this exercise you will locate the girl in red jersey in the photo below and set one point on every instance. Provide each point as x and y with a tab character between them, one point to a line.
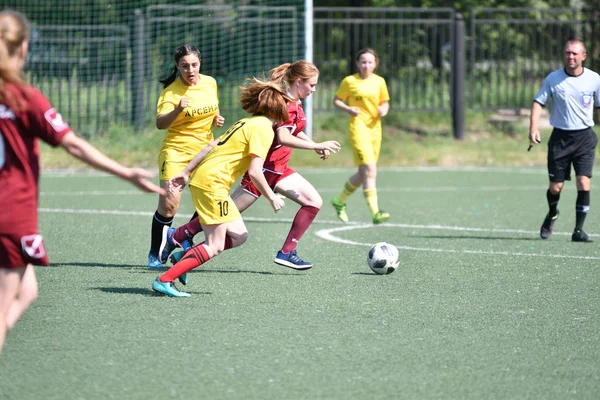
301	79
26	116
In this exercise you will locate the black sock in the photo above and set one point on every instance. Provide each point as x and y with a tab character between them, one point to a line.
581	207
552	202
158	222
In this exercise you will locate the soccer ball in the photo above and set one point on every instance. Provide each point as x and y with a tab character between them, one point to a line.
383	258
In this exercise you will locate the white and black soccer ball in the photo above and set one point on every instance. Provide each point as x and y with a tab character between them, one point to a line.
383	258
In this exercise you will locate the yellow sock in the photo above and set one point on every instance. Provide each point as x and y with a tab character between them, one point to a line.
371	197
346	192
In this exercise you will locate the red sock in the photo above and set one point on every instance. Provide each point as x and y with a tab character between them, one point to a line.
304	217
188	230
194	257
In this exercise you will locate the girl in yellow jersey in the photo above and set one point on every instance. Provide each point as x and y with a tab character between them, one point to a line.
365	97
242	148
187	108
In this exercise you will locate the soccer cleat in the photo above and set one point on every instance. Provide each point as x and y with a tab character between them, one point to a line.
380	217
176	257
168	288
153	261
183	279
292	260
548	225
580	236
340	208
169	244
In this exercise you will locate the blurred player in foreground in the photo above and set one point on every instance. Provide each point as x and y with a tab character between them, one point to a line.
26	116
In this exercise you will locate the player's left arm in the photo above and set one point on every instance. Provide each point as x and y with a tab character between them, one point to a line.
255	171
84	151
383	108
304	142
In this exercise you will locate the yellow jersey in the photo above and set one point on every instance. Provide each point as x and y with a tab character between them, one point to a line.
231	157
366	94
192	129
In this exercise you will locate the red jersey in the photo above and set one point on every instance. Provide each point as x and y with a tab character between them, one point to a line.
19	156
279	156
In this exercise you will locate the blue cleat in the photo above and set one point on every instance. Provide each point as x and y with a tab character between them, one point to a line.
292	261
153	262
168	288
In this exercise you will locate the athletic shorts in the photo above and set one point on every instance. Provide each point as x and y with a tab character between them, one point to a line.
17	251
272	179
571	147
171	162
214	207
366	144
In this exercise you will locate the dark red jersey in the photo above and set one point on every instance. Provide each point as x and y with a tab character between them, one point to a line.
279	156
19	156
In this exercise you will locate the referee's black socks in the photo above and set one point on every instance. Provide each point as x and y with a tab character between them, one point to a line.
553	202
582	207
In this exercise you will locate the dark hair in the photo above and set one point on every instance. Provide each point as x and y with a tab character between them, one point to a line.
368	50
576	41
181	51
265	98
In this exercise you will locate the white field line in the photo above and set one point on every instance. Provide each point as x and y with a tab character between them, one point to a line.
328	234
322	190
508	170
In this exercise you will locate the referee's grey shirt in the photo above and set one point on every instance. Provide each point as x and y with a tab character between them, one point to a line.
573	98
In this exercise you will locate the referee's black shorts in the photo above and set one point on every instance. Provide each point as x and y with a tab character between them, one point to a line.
571	147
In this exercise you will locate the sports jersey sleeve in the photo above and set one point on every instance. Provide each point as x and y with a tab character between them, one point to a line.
383	92
166	102
343	91
291	121
544	93
47	122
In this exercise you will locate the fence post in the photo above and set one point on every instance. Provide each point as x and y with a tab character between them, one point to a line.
457	84
138	66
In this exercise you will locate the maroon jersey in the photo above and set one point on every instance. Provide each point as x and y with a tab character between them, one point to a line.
279	156
19	156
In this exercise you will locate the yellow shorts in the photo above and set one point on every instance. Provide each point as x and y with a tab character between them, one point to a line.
214	207
366	145
171	162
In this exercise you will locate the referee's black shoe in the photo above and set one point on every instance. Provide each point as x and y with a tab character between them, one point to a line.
548	225
580	236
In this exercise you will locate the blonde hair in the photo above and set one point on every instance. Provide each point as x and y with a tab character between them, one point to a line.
290	72
265	98
14	30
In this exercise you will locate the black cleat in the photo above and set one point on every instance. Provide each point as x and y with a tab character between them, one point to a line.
580	236
548	225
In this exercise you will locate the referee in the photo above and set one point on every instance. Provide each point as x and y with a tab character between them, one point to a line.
575	92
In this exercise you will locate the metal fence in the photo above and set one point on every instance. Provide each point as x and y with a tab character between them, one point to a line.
510	51
99	75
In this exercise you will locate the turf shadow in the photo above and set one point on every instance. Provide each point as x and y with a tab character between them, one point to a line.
89	264
142	291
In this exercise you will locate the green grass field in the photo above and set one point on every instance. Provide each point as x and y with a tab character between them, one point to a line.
480	307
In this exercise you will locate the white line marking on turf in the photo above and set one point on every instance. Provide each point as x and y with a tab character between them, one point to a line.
327	235
324	190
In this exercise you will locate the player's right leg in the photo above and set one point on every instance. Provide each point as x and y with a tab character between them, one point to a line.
10	282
